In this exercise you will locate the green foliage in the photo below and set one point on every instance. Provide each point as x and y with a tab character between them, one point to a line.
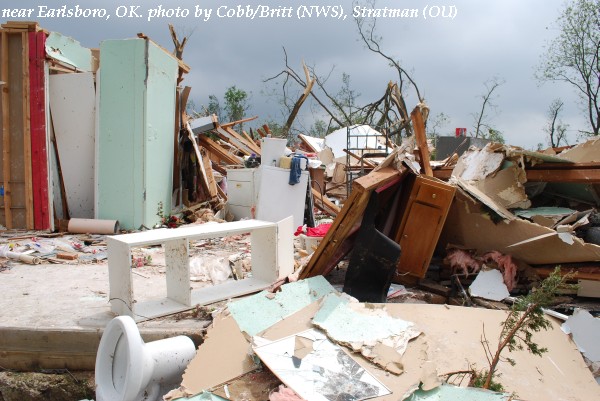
318	129
214	107
495	135
525	318
572	57
236	103
478	380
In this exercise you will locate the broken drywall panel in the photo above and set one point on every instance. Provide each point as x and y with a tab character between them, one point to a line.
477	164
587	152
585	330
469	226
453	336
73	110
447	392
223	342
258	312
489	284
486	200
366	328
546	216
325	372
451	341
506	187
69	51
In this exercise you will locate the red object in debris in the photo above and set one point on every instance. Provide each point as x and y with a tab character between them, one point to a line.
318	231
461	132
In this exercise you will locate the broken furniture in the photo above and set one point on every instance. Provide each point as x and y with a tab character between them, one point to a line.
373	260
242	192
422	221
127	369
271	253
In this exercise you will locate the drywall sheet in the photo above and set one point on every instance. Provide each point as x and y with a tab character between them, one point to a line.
448	392
469	225
451	341
475	165
224	342
73	110
69	51
506	187
318	370
489	284
258	312
585	330
369	330
588	152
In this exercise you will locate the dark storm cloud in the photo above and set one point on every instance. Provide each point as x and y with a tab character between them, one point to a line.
449	58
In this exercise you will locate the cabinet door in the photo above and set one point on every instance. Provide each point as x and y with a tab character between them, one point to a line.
419	238
422	222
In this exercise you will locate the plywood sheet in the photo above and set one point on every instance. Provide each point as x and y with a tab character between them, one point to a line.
73	110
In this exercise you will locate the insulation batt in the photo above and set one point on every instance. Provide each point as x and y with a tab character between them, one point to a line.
284	394
506	265
462	260
466	262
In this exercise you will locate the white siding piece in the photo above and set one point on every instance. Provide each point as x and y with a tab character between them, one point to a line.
73	105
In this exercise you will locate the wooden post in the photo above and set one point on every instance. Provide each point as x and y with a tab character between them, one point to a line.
39	151
29	222
6	133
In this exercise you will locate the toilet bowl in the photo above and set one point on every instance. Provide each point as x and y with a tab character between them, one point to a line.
127	369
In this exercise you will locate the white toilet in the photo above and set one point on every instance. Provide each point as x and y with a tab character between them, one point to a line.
127	369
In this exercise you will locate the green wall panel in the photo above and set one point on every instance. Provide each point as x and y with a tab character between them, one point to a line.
135	136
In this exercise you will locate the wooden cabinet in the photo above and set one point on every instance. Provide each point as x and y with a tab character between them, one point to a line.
422	221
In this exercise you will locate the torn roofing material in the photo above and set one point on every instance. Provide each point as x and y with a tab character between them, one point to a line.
256	313
366	328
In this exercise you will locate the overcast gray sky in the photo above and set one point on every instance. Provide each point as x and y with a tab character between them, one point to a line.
450	58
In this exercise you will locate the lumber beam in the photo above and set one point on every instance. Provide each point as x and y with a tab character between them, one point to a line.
6	132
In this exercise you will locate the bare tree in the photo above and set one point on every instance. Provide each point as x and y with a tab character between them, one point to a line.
573	56
555	128
487	103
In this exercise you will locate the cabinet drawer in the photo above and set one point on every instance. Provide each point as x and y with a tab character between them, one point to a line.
433	195
240	193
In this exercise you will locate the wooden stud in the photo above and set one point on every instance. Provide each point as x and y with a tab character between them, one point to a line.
29	221
6	133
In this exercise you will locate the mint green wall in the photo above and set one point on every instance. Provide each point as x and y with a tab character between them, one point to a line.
135	135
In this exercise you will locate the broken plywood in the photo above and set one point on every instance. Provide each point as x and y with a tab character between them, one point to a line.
319	370
366	328
506	187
